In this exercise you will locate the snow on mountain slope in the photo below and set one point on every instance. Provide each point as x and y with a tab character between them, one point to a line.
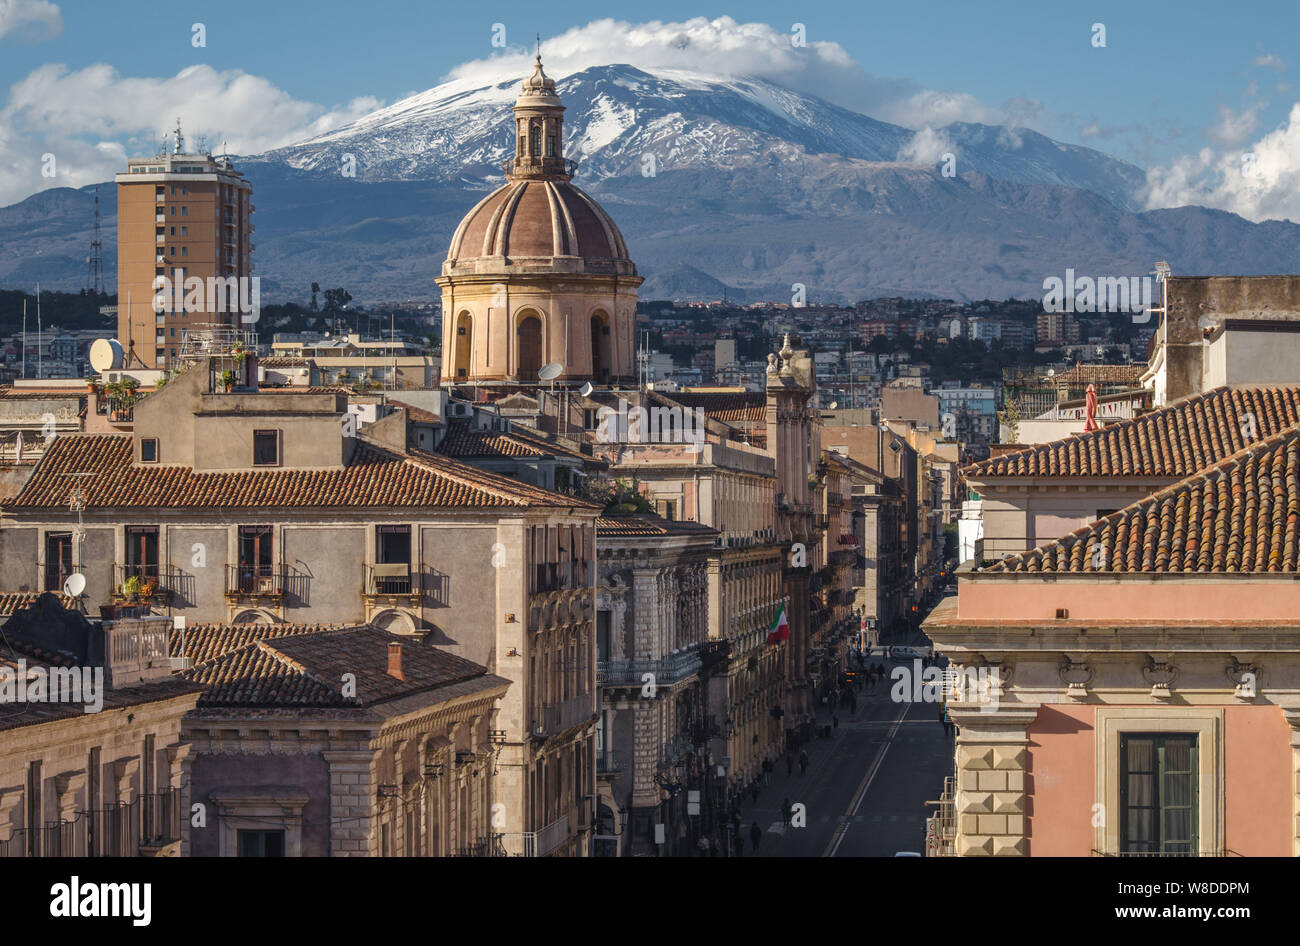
617	114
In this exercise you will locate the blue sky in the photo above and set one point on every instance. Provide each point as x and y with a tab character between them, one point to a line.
1174	80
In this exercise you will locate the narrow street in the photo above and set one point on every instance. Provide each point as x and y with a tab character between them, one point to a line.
865	789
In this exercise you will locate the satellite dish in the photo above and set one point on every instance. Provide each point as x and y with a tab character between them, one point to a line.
834	404
1051	372
586	389
106	355
74	584
550	371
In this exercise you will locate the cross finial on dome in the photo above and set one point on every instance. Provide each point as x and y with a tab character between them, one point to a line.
539	47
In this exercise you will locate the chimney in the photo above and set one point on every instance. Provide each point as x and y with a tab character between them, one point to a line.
395	661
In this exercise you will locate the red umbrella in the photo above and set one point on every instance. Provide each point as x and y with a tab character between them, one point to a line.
1090	410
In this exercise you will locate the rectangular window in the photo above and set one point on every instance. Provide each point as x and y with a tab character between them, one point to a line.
185	211
266	447
256	569
602	635
185	231
392	560
1159	808
58	559
261	843
173	231
185	251
142	550
35	818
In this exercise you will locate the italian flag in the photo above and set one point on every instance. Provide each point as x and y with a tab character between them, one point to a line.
780	628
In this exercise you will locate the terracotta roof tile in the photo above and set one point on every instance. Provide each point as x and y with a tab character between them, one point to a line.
648	526
11	601
307	670
374	477
1241	515
1173	441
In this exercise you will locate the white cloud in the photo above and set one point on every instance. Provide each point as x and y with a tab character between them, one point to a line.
1233	128
30	19
93	118
1260	182
722	47
1271	61
926	147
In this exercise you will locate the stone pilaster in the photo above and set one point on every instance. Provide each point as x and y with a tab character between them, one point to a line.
352	803
1293	718
992	752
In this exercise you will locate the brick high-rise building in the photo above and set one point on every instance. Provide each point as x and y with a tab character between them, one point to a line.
179	215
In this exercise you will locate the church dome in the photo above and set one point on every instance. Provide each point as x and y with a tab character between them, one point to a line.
535	221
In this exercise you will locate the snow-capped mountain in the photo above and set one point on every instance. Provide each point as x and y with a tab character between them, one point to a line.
754	188
618	115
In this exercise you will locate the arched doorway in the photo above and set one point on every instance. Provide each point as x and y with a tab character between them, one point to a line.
464	345
529	333
600	366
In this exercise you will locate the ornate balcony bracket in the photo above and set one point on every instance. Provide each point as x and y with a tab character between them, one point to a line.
1161	674
1244	678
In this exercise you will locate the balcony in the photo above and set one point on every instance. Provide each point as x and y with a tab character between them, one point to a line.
609	762
145	826
555	718
387	583
150	584
160	218
492	845
667	671
255	581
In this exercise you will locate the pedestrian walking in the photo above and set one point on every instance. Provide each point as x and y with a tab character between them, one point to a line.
787	810
753	788
789	764
767	773
740	844
803	761
755	836
835	721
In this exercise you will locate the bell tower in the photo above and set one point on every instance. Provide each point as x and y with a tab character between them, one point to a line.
539	130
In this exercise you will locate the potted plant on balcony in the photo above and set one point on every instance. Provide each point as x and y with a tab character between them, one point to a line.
227	381
148	588
131	588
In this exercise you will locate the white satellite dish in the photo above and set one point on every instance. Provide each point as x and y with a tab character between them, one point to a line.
550	371
834	405
586	389
1051	372
106	355
74	584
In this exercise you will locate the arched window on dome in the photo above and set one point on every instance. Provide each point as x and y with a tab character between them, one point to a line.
464	342
535	136
600	337
550	146
528	335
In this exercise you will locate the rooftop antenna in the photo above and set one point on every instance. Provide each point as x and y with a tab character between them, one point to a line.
179	146
95	262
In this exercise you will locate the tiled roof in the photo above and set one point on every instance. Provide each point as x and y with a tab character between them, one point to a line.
750	406
1173	441
308	670
1241	515
416	414
11	601
463	440
207	642
375	477
648	526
